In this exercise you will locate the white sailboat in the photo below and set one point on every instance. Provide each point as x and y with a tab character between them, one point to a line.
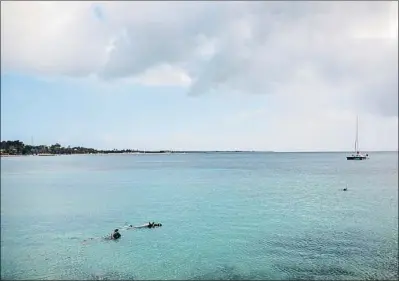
357	155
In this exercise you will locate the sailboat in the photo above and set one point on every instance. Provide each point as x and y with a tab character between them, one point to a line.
357	155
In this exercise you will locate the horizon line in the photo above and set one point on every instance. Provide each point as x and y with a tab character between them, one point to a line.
211	150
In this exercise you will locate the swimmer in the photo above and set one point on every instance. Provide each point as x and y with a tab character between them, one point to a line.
113	236
116	235
147	225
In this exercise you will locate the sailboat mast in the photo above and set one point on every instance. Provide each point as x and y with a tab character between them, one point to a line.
357	134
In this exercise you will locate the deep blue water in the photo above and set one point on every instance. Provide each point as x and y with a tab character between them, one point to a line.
224	215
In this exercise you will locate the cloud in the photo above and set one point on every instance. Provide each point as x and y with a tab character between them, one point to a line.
342	52
163	75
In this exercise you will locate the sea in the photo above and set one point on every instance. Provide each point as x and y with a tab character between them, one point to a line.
225	216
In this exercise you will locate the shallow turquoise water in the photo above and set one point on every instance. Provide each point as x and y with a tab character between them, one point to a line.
225	216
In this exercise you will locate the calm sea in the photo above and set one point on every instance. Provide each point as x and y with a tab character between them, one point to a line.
224	215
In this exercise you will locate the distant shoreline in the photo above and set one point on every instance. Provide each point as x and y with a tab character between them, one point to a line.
182	152
18	148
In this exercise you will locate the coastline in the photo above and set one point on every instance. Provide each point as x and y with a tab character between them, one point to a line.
24	155
176	152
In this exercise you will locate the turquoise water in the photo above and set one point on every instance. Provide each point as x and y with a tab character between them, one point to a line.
224	215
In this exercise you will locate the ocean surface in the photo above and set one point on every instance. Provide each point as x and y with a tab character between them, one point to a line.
225	216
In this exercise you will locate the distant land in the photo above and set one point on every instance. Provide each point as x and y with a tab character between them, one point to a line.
18	148
14	148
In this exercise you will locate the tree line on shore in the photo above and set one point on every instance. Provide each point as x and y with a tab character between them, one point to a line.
19	148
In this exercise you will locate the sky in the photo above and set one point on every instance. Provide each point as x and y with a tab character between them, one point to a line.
279	76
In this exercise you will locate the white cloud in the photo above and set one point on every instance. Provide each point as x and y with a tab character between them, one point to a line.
166	75
51	38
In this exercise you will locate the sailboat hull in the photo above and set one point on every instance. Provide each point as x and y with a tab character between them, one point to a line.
356	158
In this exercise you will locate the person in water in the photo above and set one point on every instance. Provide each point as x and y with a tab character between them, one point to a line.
153	224
116	235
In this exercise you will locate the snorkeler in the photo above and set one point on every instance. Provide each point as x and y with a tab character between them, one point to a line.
113	236
147	225
116	235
